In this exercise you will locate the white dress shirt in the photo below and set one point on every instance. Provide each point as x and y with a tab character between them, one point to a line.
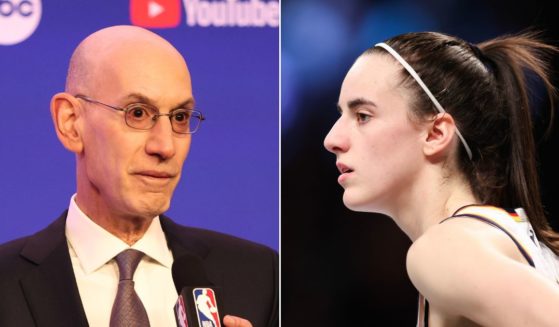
92	251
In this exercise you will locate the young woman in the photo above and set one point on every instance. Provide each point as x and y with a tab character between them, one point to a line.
436	133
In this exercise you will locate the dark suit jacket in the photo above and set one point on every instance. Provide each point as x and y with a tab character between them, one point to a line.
38	286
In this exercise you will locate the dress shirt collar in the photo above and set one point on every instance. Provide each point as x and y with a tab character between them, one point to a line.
94	246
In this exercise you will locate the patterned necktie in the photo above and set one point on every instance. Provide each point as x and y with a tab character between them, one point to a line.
128	309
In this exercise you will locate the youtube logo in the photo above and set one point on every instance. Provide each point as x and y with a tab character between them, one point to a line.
155	13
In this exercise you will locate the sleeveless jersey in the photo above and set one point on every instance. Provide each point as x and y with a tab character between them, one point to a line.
516	225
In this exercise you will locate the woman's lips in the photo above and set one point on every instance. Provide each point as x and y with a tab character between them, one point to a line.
345	172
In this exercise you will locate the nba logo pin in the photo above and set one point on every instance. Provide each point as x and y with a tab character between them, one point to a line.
206	307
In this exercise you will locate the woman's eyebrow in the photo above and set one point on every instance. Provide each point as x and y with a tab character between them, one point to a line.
355	103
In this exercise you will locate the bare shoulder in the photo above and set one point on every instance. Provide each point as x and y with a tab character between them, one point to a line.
458	240
461	239
470	269
443	258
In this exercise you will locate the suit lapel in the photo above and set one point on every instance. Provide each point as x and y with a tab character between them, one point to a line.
184	240
50	287
181	240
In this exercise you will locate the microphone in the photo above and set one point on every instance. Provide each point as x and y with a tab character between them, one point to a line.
197	304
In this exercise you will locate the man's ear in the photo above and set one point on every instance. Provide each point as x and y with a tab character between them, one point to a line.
64	109
440	136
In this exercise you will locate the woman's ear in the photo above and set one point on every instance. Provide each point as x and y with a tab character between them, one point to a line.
64	109
440	136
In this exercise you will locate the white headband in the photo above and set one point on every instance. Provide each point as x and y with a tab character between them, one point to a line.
424	87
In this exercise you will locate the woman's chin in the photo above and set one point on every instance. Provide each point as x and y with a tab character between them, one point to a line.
353	204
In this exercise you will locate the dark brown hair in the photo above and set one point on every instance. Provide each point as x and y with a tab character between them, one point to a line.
484	87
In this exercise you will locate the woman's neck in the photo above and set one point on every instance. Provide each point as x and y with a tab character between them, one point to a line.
428	203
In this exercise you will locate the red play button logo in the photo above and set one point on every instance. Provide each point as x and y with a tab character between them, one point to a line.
155	13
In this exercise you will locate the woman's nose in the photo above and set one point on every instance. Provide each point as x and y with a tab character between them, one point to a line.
336	141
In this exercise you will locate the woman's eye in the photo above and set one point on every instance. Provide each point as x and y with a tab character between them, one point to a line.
362	117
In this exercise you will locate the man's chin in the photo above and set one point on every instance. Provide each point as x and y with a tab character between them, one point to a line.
151	206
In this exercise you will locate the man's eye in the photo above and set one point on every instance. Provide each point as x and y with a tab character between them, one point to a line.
362	117
138	113
181	117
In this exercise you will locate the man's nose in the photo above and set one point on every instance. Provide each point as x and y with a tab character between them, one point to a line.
161	141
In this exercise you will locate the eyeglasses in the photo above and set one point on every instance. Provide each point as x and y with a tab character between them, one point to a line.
144	116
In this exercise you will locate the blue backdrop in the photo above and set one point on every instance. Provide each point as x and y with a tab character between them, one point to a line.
230	179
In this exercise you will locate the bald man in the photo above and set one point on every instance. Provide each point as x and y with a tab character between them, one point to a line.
128	115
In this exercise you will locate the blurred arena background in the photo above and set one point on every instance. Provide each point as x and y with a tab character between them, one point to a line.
341	268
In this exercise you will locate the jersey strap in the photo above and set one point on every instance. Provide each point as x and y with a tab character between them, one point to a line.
489	215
